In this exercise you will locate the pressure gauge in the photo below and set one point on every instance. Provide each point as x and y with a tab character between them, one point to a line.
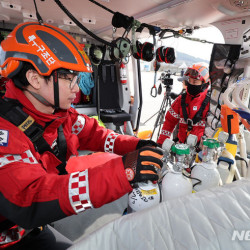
167	144
223	136
192	140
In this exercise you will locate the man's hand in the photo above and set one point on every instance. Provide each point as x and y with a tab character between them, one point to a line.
142	164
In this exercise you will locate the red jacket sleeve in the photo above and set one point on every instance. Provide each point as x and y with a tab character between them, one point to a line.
31	194
96	138
171	120
31	197
107	179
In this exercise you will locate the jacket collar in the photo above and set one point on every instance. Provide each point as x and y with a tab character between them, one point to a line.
15	93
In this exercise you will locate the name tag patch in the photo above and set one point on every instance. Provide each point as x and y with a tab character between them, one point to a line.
4	137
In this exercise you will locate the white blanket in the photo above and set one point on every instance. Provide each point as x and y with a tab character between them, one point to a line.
205	220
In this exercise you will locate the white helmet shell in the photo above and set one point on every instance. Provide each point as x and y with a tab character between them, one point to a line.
144	196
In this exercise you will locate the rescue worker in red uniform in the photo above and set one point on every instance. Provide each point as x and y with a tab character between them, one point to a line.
42	63
190	109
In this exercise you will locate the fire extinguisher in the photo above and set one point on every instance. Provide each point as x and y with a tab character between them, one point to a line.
123	73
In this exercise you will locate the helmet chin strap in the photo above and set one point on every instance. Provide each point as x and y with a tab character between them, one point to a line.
56	94
40	99
56	90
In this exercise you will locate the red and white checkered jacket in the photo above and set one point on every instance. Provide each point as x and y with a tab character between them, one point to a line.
175	116
32	192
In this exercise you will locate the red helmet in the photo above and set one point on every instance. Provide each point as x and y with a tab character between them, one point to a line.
198	71
45	46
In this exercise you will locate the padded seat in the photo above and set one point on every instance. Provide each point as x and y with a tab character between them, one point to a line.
117	117
110	110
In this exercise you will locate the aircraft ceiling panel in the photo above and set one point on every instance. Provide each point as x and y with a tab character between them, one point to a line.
167	14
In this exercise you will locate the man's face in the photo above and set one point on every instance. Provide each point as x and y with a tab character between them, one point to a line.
67	93
68	87
194	81
67	90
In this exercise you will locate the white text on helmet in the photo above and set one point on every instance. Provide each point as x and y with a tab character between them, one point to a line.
44	53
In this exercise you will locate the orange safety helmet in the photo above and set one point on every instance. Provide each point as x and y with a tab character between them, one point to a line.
198	71
45	46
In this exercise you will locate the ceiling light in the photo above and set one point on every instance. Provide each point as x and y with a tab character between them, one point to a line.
225	10
69	22
29	14
89	20
11	6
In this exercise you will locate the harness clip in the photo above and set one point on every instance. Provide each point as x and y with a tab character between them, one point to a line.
190	124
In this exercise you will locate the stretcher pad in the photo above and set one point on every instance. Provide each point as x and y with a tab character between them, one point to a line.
204	220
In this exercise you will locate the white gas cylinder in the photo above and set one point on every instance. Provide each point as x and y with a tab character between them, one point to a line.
207	173
174	185
144	196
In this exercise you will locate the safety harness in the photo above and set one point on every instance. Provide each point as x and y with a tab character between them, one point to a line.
198	116
11	110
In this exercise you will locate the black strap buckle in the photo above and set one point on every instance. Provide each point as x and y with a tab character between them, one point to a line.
34	132
190	124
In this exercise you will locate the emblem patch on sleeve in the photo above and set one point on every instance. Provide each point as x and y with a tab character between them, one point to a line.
4	137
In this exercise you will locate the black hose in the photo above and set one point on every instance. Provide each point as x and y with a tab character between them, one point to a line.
140	95
102	6
239	158
81	26
39	18
192	178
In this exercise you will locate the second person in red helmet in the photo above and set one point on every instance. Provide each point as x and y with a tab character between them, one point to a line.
190	109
